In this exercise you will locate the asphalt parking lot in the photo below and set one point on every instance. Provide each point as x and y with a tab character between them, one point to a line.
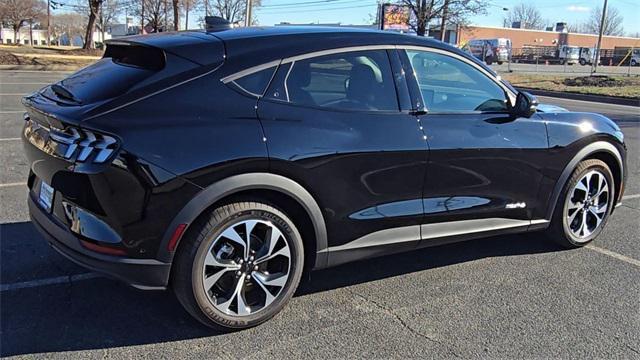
501	297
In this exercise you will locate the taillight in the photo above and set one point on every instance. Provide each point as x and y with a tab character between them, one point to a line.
72	143
82	145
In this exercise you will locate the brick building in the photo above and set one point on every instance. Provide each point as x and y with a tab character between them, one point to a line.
522	37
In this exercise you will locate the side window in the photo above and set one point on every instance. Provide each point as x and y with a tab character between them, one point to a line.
451	85
255	83
360	80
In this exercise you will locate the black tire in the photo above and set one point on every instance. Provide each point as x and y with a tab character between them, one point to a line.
500	62
583	62
558	230
187	277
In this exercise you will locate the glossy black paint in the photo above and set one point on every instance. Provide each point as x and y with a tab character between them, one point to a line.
182	133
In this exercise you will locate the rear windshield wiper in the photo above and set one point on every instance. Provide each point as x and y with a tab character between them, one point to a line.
64	93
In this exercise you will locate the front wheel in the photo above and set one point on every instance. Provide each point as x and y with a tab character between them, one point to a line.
584	205
238	265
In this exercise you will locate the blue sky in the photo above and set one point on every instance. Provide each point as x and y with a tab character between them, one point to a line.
357	11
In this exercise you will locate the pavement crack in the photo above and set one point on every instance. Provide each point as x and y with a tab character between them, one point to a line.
401	321
632	349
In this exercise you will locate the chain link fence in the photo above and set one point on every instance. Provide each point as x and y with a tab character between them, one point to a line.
560	60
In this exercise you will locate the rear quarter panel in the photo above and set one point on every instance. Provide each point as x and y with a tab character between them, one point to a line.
201	130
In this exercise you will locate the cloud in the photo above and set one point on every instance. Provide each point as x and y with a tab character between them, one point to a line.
578	8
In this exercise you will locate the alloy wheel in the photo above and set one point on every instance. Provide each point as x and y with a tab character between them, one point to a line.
587	205
246	267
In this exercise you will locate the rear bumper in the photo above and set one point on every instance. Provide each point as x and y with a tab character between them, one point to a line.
146	274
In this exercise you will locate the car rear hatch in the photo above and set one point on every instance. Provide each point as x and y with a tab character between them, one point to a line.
132	68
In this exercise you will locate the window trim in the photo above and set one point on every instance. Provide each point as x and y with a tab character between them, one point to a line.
248	71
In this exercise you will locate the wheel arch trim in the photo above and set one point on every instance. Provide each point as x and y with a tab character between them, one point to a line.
250	181
590	149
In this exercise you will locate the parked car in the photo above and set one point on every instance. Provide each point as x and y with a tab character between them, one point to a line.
226	164
490	50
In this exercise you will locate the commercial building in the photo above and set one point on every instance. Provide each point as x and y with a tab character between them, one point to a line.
38	37
525	37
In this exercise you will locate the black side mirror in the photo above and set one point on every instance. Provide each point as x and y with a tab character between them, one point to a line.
525	106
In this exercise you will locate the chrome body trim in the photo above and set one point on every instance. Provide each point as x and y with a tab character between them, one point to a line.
249	71
434	231
293	59
453	228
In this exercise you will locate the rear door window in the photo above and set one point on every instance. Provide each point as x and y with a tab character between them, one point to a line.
359	80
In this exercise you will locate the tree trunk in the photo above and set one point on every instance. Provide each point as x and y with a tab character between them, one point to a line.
443	25
421	28
176	15
93	12
186	15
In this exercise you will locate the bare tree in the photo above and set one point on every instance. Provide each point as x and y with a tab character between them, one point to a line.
16	13
109	11
93	8
71	24
451	11
458	12
612	22
232	10
176	14
154	14
528	16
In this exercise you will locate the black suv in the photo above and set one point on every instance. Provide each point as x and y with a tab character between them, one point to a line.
225	164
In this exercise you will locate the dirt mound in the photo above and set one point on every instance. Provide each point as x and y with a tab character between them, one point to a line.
598	80
7	58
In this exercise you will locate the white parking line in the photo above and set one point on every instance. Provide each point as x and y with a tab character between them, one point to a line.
12	184
629	197
12	94
12	112
48	281
614	255
10	139
27	83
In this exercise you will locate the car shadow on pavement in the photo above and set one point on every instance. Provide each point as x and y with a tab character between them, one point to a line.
101	313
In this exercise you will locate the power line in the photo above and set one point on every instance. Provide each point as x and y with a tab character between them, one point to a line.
301	3
325	9
310	4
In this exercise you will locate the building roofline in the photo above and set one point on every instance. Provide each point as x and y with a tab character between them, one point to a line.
549	32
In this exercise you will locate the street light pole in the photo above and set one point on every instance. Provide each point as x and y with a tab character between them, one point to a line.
604	14
247	21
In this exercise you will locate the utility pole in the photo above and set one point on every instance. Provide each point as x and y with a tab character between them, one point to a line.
604	14
48	22
443	25
247	21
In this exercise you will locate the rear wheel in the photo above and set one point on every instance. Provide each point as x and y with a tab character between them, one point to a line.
584	205
238	265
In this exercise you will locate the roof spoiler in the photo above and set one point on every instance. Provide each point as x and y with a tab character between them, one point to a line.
199	47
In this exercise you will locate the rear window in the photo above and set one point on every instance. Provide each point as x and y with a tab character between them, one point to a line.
119	70
139	56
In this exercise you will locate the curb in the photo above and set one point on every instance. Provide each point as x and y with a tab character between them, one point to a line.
41	67
585	97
